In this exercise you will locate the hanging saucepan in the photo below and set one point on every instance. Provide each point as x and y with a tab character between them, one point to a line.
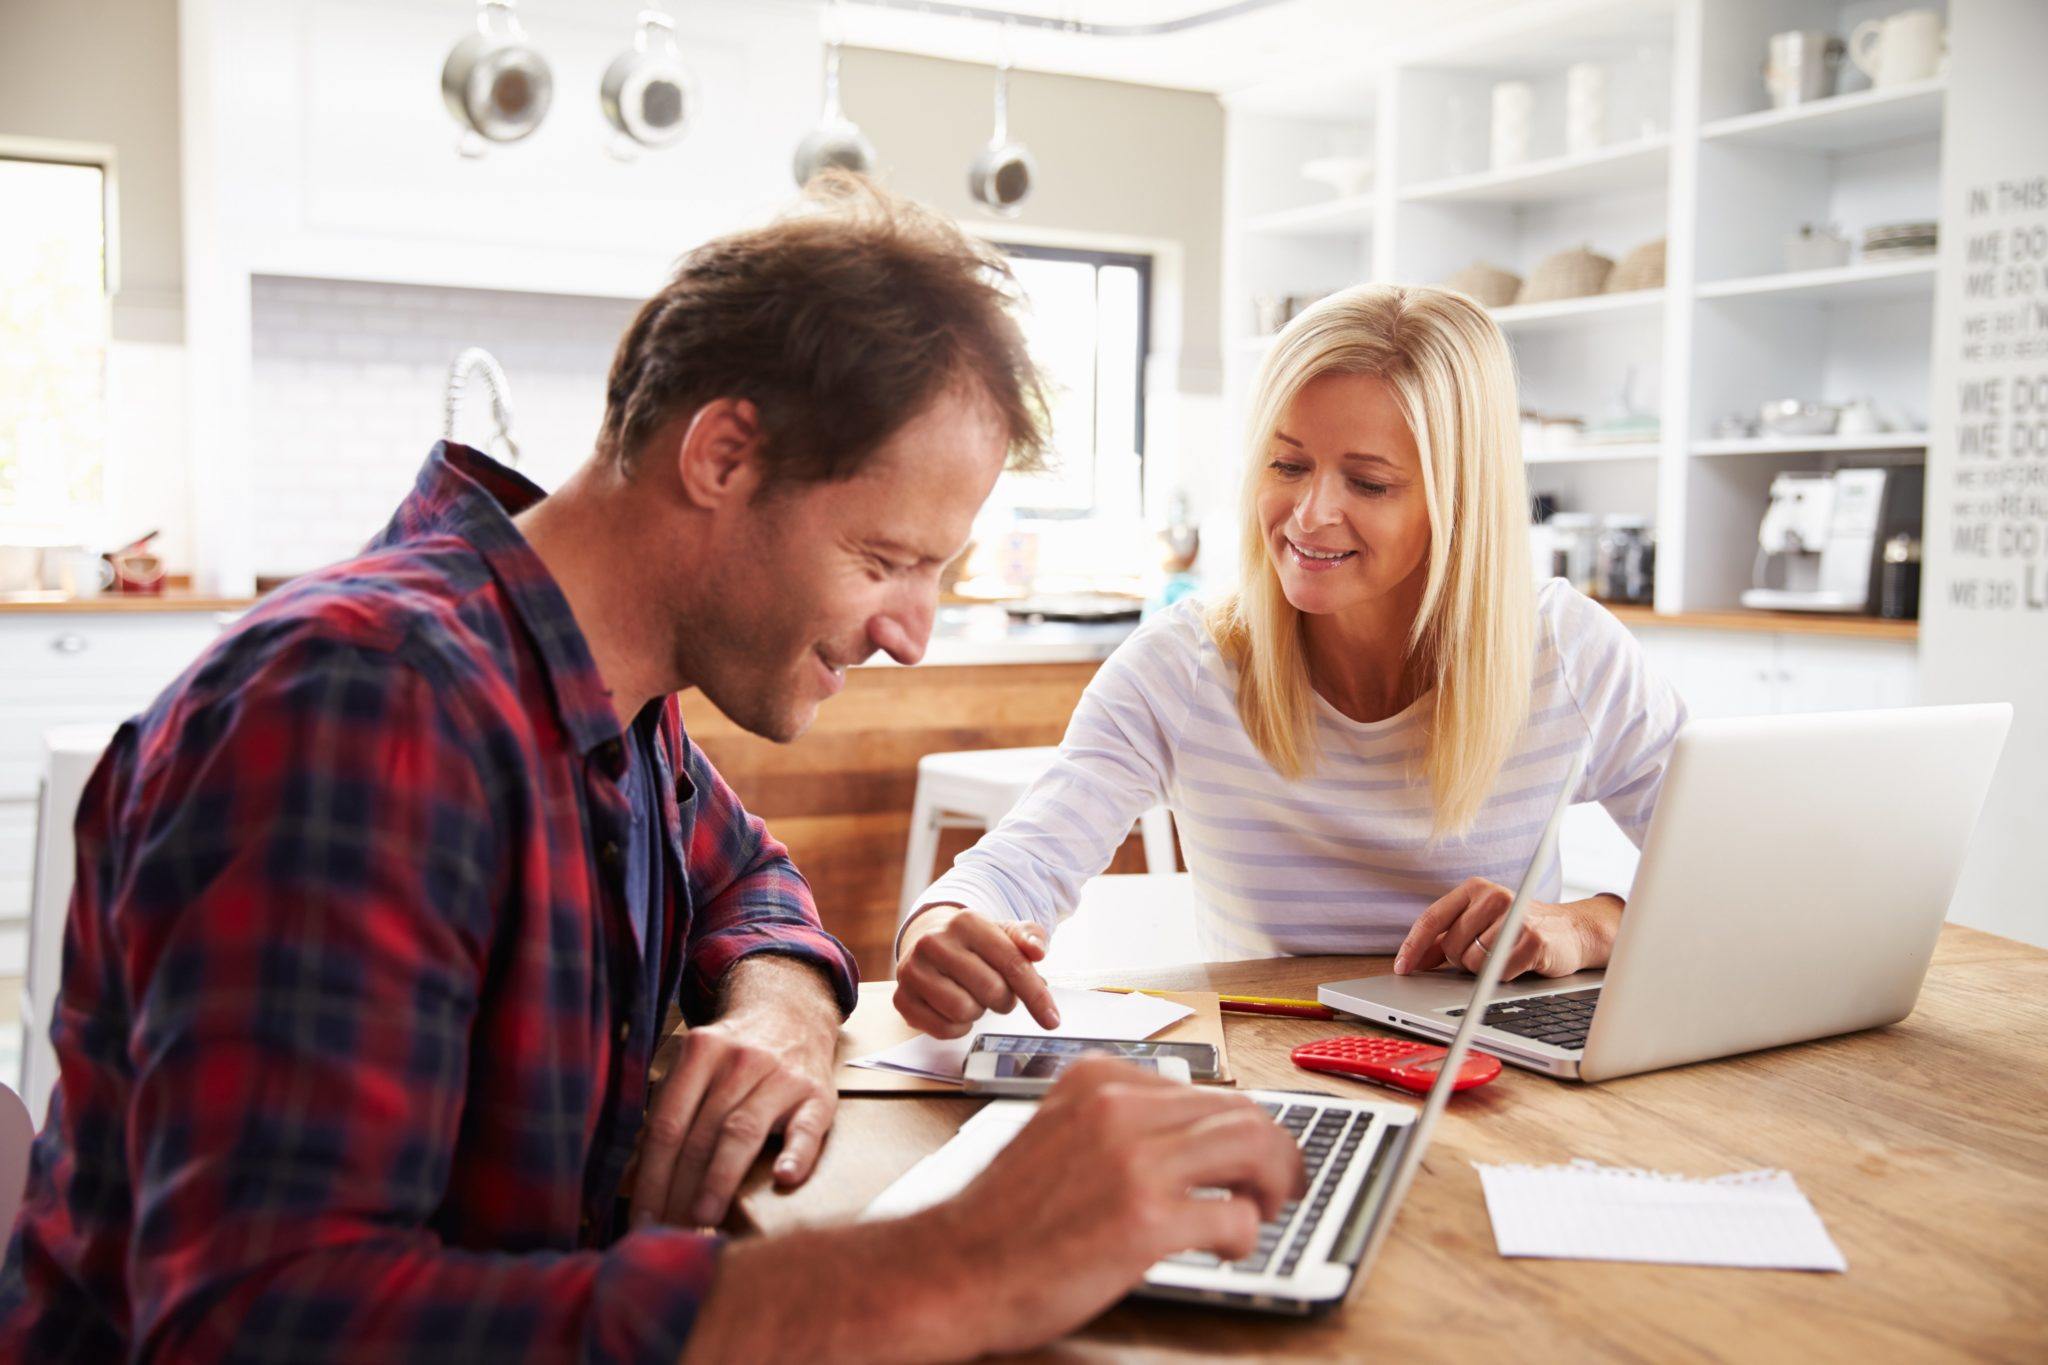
494	82
647	93
1000	178
837	141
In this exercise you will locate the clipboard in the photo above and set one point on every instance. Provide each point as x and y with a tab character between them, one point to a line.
875	1025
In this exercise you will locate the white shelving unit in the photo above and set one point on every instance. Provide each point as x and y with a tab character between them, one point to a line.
1812	445
1593	454
1338	218
1880	280
1870	118
1694	156
1640	165
1565	313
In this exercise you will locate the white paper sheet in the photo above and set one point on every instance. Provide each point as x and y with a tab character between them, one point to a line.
1584	1211
1083	1014
949	1170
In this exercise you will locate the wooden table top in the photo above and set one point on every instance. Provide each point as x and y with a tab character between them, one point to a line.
1923	1146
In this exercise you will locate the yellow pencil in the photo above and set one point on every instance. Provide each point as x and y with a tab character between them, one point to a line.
1250	1004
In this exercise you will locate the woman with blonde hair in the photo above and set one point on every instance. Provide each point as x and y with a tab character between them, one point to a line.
1362	743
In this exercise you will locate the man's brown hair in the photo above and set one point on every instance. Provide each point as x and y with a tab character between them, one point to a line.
839	322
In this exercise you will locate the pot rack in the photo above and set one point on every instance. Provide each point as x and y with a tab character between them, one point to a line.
986	13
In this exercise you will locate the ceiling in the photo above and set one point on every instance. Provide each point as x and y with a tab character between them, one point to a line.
1246	50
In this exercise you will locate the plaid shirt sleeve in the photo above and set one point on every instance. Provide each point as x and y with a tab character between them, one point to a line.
747	898
305	923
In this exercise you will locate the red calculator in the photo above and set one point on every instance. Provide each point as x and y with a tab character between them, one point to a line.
1398	1062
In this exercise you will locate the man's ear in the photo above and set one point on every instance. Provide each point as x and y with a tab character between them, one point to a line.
718	459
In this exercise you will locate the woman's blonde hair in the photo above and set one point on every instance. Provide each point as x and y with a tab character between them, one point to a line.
1473	640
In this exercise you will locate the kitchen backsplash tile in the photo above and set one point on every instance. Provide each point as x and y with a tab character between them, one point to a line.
348	397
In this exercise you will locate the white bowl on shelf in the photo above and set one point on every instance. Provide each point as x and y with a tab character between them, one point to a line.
1345	175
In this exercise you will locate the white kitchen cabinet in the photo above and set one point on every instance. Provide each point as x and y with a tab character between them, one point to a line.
66	668
1740	673
1823	674
1719	673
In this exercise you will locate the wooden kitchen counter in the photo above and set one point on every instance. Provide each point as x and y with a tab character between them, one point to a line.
115	604
1768	622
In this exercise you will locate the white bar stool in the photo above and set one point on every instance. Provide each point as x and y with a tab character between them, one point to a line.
975	789
71	752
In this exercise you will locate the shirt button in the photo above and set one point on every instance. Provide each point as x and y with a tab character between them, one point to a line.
625	1029
610	854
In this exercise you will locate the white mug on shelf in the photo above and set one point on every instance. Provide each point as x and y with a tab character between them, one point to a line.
1901	47
1514	108
1860	417
1585	107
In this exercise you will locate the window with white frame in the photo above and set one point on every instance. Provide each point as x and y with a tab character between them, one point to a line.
1087	325
53	342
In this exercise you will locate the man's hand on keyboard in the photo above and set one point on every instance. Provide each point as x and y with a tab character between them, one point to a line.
1100	1185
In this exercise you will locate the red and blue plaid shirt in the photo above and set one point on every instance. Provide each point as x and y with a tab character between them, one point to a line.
354	1029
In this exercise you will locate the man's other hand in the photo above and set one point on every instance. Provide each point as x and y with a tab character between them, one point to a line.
765	1067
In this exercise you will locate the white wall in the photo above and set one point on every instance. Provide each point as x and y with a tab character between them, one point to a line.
128	100
128	103
1984	612
1120	167
1114	160
347	398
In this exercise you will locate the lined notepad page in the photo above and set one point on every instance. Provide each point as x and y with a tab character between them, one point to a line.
1584	1211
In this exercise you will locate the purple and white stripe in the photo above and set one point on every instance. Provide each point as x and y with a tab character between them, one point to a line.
1340	862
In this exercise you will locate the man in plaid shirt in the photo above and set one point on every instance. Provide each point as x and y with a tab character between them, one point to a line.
380	906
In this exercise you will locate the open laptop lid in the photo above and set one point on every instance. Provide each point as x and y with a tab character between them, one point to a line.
1381	1213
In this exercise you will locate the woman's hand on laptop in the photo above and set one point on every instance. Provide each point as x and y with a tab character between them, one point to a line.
955	965
1556	940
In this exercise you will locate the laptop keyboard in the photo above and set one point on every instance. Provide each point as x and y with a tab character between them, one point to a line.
1562	1020
1329	1139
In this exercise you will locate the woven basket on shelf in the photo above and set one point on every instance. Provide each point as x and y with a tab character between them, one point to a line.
1486	284
1642	268
1567	275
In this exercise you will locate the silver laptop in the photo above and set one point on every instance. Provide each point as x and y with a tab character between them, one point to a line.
1793	883
1359	1157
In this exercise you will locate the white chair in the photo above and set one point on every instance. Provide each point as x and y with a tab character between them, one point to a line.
975	789
16	1133
71	753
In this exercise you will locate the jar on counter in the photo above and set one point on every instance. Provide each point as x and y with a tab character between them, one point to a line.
1574	549
1625	565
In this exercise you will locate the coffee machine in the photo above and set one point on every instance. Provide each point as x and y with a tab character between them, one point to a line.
1822	538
